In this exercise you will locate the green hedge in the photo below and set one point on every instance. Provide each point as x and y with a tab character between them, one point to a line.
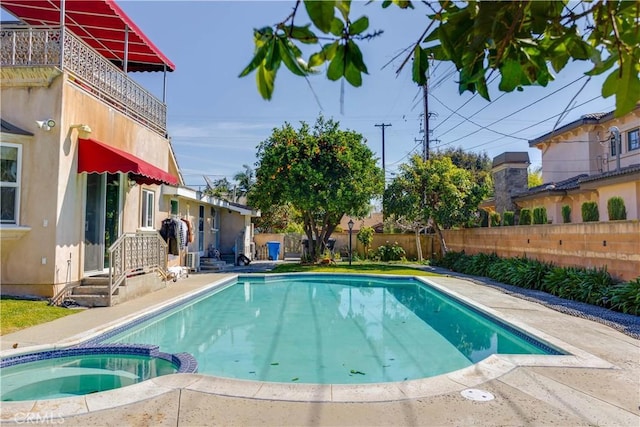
590	212
540	215
616	208
495	219
508	218
592	286
566	214
525	217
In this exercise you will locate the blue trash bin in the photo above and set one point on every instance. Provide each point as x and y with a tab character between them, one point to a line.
274	250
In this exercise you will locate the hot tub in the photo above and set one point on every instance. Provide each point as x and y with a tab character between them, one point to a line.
86	369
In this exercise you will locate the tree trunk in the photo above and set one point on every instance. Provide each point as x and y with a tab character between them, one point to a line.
443	244
418	244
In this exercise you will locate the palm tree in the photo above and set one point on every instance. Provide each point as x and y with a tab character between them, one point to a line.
245	180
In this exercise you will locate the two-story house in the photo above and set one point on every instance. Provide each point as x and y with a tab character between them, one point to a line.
86	162
593	158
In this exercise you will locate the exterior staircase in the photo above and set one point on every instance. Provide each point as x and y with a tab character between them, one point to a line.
93	292
212	264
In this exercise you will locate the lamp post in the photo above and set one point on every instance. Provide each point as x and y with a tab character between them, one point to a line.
350	224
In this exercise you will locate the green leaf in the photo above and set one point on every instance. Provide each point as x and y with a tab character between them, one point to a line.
344	7
303	34
257	60
337	26
512	76
354	55
337	66
628	86
321	13
420	65
316	59
352	74
272	59
289	58
359	26
264	80
610	85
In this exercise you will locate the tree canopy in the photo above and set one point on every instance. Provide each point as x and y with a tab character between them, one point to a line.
323	172
524	42
434	192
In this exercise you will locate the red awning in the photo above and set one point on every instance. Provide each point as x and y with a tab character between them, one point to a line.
97	157
101	24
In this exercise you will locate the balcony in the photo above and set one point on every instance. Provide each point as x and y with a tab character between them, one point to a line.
31	48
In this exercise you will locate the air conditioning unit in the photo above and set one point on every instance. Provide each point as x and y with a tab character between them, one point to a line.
193	261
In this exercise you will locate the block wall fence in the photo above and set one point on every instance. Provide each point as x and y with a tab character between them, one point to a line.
614	244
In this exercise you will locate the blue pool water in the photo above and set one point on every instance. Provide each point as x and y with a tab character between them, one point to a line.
329	329
85	370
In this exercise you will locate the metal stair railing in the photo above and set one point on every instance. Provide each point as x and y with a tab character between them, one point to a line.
136	253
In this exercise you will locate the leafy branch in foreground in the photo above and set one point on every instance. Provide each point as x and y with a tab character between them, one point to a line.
524	41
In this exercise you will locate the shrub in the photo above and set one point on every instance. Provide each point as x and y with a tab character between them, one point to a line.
484	219
389	252
625	297
525	217
449	259
590	212
495	219
616	209
365	236
540	215
566	214
508	218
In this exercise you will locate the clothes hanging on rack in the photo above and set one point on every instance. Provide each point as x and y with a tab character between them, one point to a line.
183	233
170	232
189	230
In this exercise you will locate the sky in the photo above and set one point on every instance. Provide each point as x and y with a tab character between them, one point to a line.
216	119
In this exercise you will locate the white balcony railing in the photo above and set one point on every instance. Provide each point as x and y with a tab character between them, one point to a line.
22	46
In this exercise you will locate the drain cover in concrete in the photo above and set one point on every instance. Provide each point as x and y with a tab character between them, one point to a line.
475	394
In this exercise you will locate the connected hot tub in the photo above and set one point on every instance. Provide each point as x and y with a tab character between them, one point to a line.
86	369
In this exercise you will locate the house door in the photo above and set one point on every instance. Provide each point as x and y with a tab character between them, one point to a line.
102	219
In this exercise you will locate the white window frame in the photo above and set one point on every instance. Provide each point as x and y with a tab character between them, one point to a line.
16	184
147	209
637	132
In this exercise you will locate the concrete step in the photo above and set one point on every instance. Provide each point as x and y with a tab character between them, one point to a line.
91	290
95	281
93	300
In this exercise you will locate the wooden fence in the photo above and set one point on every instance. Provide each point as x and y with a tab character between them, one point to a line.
611	244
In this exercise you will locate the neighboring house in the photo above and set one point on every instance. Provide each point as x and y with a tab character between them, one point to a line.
580	163
374	220
86	161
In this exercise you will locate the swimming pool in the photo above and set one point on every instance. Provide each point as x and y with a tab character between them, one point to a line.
328	329
85	370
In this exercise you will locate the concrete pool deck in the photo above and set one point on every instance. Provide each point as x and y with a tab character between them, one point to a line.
599	385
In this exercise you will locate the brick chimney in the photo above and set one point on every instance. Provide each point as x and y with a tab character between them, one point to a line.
510	175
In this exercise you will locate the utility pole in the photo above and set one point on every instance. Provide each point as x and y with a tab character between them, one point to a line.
383	125
425	147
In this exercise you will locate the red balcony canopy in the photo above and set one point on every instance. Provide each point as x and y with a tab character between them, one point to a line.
97	157
101	24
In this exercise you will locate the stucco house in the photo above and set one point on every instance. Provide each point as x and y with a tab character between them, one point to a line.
582	161
86	160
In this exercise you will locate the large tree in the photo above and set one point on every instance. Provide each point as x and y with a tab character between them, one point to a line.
322	171
434	192
524	41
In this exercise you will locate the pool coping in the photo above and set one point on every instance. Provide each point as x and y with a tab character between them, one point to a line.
488	369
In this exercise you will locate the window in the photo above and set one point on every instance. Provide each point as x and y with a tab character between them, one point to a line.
174	207
633	139
614	149
10	165
147	208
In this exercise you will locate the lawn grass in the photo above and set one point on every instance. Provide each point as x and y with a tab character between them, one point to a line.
16	314
359	267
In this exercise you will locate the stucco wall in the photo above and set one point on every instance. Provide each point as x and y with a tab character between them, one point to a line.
614	244
53	191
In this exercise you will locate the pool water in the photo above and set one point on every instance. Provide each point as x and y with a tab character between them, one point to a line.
78	375
330	330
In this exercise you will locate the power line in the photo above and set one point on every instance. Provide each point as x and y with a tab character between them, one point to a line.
383	126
